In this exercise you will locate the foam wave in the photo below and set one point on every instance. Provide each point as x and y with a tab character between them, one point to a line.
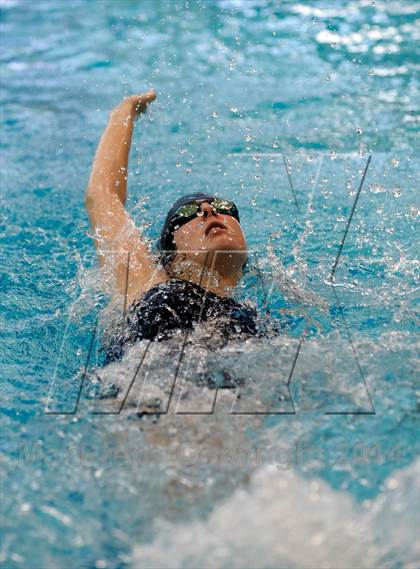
283	520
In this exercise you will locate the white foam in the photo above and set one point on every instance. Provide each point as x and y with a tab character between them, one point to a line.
283	520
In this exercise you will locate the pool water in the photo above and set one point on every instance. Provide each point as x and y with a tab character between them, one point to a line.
277	105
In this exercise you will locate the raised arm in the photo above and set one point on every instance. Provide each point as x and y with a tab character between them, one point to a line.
118	242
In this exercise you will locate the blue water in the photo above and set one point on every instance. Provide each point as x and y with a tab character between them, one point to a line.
240	85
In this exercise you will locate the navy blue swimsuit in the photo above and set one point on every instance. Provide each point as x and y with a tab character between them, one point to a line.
178	305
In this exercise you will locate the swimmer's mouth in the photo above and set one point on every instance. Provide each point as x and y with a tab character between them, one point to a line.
212	225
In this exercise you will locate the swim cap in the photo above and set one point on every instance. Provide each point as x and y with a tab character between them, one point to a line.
166	242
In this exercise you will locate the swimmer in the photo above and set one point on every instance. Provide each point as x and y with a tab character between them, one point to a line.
202	249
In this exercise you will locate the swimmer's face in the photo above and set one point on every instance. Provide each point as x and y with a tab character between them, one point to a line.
212	237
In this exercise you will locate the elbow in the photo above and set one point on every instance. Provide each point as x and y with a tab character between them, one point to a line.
89	200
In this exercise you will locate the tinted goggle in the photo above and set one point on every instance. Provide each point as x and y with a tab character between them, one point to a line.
188	211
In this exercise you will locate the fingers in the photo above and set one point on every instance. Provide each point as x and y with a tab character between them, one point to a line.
142	100
149	95
137	104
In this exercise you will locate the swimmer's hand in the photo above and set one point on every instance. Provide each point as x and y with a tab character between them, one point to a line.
135	105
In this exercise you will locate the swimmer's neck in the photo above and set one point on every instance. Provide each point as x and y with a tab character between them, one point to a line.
209	279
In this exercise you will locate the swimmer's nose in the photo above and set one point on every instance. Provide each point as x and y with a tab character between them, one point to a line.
207	210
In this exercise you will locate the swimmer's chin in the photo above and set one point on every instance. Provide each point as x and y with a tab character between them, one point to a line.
219	236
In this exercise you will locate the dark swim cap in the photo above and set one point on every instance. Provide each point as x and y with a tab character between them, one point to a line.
166	242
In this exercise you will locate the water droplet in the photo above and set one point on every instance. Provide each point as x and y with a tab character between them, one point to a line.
397	317
376	188
317	539
392	484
